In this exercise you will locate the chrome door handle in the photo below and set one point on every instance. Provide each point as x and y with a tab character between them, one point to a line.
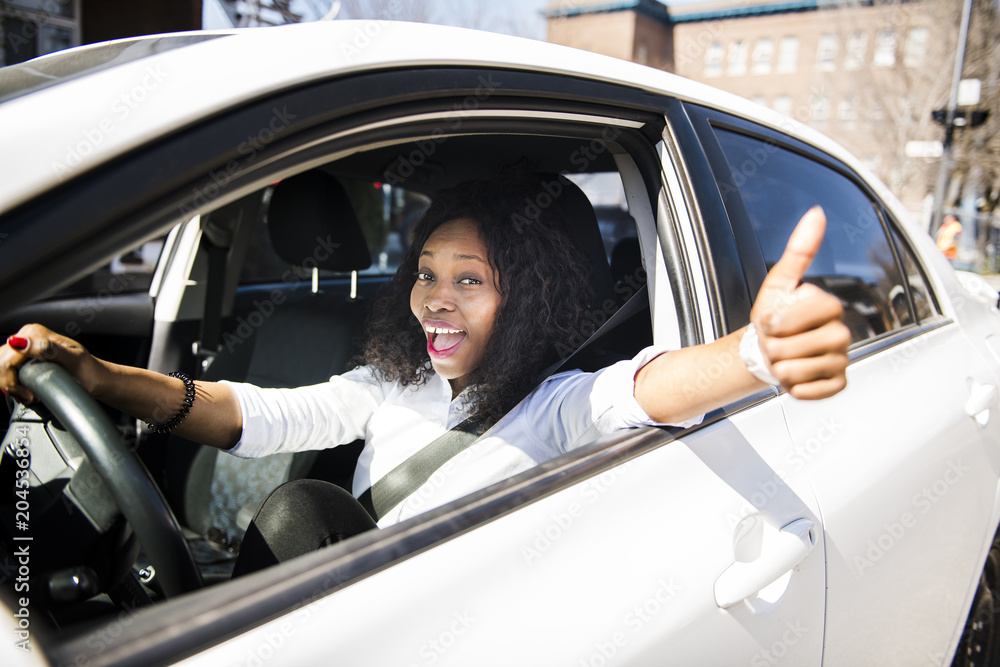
741	580
981	399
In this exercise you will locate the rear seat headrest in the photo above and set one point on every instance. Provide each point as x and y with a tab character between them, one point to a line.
310	219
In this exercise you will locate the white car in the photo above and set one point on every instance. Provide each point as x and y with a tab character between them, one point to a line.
857	530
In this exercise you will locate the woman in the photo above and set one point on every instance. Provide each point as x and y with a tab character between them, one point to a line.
466	326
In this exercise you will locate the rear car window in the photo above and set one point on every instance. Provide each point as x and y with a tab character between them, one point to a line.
856	261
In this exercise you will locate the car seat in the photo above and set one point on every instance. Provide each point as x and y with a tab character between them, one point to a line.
305	340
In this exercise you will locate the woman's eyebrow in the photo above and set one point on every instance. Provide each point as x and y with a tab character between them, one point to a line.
474	257
428	253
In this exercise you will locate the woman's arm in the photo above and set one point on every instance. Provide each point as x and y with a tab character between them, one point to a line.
214	418
801	337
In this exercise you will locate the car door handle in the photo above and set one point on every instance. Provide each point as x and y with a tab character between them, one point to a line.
741	580
981	399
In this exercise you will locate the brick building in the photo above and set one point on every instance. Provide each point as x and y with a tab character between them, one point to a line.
866	73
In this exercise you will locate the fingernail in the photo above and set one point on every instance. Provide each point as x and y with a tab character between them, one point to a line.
17	342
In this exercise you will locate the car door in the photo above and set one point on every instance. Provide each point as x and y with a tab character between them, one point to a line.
901	463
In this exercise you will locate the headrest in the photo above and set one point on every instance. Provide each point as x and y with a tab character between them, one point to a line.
583	229
312	223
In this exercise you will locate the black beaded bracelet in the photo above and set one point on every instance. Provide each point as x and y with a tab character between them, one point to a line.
185	409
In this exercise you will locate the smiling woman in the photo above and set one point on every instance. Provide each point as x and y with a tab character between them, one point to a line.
455	298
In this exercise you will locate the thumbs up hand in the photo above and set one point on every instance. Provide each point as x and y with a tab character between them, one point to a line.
800	328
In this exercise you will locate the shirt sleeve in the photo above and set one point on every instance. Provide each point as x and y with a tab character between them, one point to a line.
577	407
314	417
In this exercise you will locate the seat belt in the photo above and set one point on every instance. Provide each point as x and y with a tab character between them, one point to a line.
404	480
206	349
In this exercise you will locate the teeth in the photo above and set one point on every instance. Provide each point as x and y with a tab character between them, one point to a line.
439	330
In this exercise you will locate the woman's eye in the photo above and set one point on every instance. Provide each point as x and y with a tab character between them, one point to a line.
423	275
471	281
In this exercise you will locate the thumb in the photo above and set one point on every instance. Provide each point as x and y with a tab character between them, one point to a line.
800	250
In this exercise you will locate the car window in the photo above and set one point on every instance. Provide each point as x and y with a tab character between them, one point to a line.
129	272
855	262
923	298
387	215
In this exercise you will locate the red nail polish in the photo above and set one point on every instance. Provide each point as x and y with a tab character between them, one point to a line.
17	342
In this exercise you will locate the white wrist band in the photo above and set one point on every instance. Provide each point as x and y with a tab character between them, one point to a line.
753	357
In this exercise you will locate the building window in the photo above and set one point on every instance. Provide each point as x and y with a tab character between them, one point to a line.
826	52
820	110
763	53
642	53
32	28
713	59
847	113
737	58
876	113
788	54
885	49
783	104
916	47
857	43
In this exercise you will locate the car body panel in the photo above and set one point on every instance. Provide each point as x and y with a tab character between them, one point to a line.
889	501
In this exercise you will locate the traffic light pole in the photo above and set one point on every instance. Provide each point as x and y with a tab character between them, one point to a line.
944	167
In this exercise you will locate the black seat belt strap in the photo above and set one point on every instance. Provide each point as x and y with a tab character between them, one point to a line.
211	324
404	480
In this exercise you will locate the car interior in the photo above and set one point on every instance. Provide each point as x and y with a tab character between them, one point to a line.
276	293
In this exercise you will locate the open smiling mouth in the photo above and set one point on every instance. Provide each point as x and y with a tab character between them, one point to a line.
442	341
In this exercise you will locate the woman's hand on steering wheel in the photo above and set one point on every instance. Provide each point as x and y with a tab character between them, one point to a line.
33	341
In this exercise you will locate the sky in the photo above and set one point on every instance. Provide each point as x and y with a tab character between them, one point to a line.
527	15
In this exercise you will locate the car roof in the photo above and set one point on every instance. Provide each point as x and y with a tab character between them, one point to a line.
107	99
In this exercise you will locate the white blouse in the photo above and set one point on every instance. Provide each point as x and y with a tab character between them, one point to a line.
566	411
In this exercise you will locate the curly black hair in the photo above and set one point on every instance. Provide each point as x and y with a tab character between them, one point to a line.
543	280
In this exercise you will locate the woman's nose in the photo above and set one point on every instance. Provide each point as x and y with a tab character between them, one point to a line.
440	297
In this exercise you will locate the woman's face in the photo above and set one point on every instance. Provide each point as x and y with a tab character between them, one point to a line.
455	299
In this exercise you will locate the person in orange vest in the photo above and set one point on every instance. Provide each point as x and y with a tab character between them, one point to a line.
947	236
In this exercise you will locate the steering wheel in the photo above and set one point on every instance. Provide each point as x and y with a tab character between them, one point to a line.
130	484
